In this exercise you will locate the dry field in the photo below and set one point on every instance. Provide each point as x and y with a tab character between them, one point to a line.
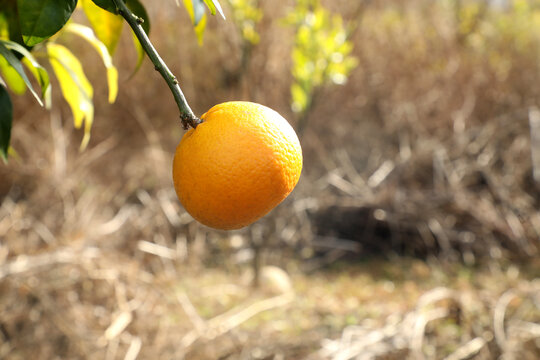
413	233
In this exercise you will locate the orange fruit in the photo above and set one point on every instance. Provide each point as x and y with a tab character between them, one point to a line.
237	165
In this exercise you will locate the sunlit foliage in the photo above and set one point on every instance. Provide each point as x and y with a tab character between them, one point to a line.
321	53
246	14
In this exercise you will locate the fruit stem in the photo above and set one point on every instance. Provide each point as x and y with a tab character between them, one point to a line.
187	116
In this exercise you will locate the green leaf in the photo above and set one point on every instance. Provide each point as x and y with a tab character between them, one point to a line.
138	9
107	5
4	25
75	87
42	77
112	74
213	5
16	64
8	10
107	26
12	78
40	19
39	72
6	120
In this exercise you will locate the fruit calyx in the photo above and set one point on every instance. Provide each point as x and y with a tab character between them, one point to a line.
189	120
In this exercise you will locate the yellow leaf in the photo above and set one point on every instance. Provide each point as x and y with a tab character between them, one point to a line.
107	26
112	74
199	29
75	87
189	7
12	78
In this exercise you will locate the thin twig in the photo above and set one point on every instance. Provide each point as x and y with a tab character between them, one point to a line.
468	350
498	317
24	263
231	319
186	114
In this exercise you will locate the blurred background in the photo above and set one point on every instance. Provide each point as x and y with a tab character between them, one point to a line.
412	234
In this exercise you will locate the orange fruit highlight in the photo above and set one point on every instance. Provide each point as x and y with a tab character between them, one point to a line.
237	165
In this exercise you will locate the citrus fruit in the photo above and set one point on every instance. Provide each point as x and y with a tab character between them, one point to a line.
237	165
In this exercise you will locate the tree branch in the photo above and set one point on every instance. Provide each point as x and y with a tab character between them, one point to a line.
187	116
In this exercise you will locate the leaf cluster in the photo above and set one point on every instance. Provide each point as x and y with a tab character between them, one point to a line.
197	14
31	29
246	15
321	53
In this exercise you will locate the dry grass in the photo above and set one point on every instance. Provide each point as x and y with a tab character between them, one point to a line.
91	303
427	154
